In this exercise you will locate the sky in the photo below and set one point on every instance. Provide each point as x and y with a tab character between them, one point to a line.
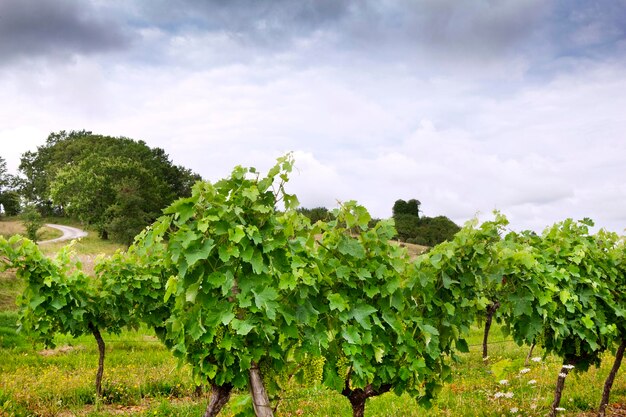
469	107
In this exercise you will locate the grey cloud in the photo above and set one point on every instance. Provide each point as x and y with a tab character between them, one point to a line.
446	26
36	28
582	27
431	24
259	22
444	33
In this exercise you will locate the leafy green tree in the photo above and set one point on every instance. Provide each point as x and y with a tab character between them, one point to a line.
9	199
3	173
116	195
427	231
117	184
411	207
316	214
407	226
430	231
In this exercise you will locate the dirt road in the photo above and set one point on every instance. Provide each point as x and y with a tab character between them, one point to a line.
69	233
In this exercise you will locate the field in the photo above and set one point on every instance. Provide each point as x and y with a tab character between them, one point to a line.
142	378
14	227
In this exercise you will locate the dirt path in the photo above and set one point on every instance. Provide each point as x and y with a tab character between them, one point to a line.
69	233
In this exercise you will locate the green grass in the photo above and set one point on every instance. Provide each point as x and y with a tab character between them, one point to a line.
143	379
10	287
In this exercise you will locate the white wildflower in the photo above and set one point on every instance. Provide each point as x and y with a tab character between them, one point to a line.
508	395
536	359
503	381
499	395
568	366
532	382
525	370
562	374
514	410
559	409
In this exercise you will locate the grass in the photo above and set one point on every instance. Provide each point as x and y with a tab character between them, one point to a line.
413	249
143	379
10	227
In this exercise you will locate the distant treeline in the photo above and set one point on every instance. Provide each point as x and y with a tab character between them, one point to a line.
410	226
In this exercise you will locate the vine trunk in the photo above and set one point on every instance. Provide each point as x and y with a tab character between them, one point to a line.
101	351
219	397
608	384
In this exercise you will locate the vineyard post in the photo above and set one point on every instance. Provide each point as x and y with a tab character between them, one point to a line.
558	391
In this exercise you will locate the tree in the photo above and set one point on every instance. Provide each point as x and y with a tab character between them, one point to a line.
9	199
431	231
5	177
116	195
316	214
466	267
427	231
407	226
117	185
411	207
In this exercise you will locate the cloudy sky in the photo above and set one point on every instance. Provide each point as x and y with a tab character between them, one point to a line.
516	105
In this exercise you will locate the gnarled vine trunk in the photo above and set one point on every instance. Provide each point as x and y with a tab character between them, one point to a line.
260	399
358	397
491	310
219	397
101	350
608	384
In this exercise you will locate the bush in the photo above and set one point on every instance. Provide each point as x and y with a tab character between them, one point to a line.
32	222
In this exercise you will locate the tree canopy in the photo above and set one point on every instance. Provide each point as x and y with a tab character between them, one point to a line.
411	207
427	231
116	184
9	198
